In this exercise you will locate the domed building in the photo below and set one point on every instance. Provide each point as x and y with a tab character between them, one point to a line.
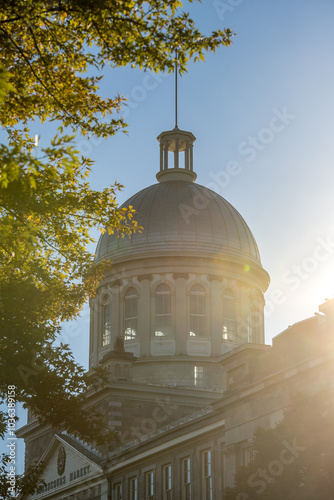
187	288
177	323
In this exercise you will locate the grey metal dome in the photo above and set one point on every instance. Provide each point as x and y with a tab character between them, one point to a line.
180	217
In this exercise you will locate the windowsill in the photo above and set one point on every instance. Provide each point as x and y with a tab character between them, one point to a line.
197	337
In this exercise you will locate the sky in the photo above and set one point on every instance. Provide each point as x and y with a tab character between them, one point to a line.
266	103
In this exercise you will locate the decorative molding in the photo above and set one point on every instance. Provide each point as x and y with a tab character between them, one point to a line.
242	285
116	283
199	347
162	347
180	275
105	297
230	449
212	277
143	277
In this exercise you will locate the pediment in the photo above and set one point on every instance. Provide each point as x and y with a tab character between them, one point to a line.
68	464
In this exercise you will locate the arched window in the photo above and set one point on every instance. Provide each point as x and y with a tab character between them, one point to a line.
131	314
197	311
163	311
106	324
229	326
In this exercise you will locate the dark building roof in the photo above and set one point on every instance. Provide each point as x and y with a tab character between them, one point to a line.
183	218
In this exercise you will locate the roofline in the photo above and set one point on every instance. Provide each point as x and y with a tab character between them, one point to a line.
164	446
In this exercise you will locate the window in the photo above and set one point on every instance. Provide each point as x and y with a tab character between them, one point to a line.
118	491
167	482
186	481
163	311
197	311
149	485
131	314
229	327
248	456
207	493
106	324
133	489
199	376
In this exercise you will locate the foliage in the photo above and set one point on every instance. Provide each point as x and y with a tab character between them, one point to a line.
47	271
295	459
56	49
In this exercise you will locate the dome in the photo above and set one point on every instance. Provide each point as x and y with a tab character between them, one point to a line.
186	289
180	217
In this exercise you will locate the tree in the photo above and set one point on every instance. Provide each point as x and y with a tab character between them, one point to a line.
54	50
47	273
295	459
53	55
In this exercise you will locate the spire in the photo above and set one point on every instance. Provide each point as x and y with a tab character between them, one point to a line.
176	141
175	71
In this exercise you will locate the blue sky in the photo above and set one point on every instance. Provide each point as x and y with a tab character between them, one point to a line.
267	104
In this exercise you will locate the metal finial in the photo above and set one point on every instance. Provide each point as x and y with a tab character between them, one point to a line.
175	89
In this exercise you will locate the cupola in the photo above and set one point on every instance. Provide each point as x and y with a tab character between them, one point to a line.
176	141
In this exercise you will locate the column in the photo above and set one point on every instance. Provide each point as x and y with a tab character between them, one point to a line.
176	154
181	312
191	157
242	314
216	315
116	312
165	155
186	156
161	156
144	314
259	337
